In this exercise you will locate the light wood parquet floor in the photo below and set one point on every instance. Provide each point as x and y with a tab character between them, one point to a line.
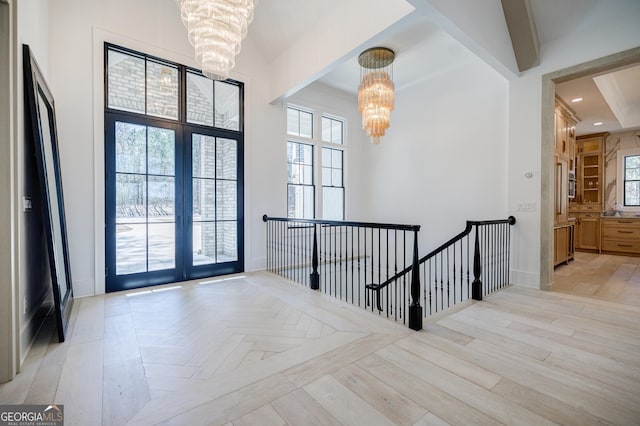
602	276
263	351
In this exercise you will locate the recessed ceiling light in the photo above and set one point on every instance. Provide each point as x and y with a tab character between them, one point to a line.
576	100
598	123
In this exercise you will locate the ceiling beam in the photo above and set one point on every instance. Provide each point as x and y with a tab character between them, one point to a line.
479	26
523	33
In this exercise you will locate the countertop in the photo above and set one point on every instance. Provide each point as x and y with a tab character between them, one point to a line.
610	215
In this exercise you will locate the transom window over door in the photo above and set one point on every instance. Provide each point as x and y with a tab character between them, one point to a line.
174	172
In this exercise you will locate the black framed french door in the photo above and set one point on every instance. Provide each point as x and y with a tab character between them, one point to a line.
174	202
214	198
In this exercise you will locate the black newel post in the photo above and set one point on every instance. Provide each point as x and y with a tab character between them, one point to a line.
415	310
315	277
476	286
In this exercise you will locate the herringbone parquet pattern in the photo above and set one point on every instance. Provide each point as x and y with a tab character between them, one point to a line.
261	351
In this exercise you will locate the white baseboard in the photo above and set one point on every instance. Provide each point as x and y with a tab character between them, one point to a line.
525	278
259	264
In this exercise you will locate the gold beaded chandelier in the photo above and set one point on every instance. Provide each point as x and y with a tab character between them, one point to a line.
376	96
216	28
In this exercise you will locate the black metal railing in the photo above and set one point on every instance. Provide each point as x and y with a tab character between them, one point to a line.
376	266
342	258
470	265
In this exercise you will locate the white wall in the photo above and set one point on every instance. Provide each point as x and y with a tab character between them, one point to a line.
265	156
611	27
443	160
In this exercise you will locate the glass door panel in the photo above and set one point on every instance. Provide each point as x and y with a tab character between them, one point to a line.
143	161
174	204
203	192
215	207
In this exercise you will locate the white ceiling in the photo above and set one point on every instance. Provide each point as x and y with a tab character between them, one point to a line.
621	90
623	93
423	49
554	18
278	24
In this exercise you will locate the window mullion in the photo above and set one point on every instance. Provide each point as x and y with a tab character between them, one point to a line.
318	178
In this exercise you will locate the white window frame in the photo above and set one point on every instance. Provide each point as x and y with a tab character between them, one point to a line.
317	143
336	146
622	153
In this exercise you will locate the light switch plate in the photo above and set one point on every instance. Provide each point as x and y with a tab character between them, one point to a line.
527	207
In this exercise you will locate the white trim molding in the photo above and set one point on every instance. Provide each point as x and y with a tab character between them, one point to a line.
621	154
9	348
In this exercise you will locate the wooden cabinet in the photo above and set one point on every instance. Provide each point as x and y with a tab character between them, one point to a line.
621	235
589	173
564	156
563	241
561	197
565	132
564	150
588	231
588	203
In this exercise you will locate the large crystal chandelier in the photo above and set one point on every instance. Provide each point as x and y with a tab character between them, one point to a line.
216	28
376	97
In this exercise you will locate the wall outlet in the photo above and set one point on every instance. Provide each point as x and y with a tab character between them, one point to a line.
27	204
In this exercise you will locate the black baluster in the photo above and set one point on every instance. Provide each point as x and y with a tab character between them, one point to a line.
476	286
501	255
280	242
352	260
296	253
426	283
440	274
484	256
340	263
324	262
430	292
359	277
494	263
435	282
395	272
448	285
366	294
512	221
308	254
387	267
268	241
404	276
468	266
415	310
373	261
315	276
453	249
